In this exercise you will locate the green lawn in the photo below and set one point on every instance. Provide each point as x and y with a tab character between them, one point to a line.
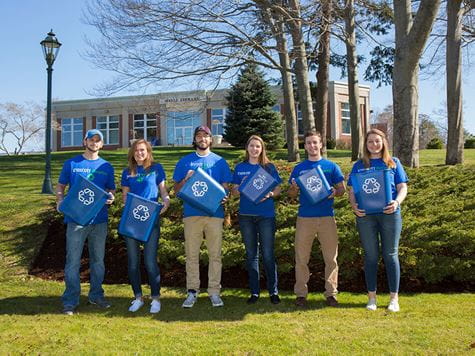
427	324
30	322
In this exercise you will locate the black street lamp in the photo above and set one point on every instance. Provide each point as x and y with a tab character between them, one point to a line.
50	49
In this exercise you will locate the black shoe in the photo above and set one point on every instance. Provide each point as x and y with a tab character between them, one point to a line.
332	302
101	303
253	299
274	299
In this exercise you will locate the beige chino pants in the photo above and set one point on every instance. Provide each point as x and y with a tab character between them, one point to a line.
324	228
212	229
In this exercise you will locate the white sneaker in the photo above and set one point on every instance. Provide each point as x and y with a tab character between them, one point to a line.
371	304
136	305
155	306
393	306
190	300
216	300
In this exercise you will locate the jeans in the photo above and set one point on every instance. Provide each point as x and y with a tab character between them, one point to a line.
258	233
150	260
372	229
76	235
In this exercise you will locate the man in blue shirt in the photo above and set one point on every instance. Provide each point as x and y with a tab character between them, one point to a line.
101	173
198	223
316	220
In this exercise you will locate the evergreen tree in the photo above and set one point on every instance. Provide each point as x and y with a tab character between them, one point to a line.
249	111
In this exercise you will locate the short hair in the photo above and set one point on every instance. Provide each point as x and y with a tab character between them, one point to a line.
309	133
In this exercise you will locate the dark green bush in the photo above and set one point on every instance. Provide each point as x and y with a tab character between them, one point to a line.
331	143
435	143
469	143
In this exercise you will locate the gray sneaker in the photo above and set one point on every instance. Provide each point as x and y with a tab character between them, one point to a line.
216	300
101	303
190	300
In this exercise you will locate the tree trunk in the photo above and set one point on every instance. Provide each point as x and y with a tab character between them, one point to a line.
411	37
454	153
291	128
321	100
301	67
353	87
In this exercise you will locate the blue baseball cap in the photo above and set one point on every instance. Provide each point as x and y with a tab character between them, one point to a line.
93	132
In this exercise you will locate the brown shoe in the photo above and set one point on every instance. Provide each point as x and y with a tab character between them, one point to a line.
332	302
301	302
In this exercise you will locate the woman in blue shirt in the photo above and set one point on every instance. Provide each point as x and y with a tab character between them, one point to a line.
385	227
145	178
257	220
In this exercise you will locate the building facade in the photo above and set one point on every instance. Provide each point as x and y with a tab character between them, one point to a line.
167	119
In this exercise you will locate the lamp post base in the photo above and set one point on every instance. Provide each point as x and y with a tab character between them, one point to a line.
47	187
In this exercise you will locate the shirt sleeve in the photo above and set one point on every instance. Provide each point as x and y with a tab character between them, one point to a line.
124	182
226	175
400	175
236	177
65	176
179	173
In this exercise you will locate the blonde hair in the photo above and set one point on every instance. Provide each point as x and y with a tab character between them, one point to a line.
132	163
386	157
263	159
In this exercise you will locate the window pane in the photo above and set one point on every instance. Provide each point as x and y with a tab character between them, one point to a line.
151	133
114	125
102	119
113	137
138	124
138	117
101	126
114	118
65	139
77	138
78	121
217	112
151	123
138	133
345	126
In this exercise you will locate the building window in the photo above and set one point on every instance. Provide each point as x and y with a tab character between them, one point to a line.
345	118
299	120
180	126
71	132
217	121
109	126
145	126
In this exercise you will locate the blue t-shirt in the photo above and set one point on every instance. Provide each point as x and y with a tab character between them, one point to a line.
333	175
144	183
397	175
98	171
246	206
214	165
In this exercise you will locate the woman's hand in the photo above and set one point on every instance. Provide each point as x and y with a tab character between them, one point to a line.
166	204
391	207
267	196
358	212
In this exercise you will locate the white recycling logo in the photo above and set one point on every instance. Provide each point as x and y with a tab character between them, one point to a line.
199	188
258	183
314	183
371	186
141	212
86	196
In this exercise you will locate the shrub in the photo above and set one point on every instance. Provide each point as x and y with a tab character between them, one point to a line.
331	143
343	145
435	143
469	143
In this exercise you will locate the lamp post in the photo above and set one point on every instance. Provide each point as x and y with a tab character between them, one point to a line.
50	50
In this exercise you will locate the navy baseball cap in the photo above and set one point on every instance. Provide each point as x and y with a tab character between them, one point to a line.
94	132
204	129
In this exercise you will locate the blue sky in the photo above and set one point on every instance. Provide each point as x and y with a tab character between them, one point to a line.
24	23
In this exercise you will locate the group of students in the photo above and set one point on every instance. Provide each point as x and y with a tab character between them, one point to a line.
146	178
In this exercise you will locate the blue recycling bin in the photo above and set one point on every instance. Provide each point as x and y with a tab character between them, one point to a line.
314	185
258	185
372	190
83	201
139	217
203	192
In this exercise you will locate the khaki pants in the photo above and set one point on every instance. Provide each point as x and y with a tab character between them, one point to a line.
212	228
325	230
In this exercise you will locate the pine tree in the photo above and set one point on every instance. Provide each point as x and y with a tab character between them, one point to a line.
249	111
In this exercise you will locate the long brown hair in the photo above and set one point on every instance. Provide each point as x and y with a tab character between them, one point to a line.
132	163
386	157
263	159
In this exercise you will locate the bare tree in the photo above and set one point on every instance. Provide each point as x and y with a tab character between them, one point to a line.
20	125
412	31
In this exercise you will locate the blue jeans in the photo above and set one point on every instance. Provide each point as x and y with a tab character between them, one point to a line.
258	233
76	236
372	229
150	260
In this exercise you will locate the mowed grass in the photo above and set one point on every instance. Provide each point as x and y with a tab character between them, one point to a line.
30	319
428	324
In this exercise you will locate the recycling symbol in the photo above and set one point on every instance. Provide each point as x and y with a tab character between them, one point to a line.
371	186
86	196
199	188
314	184
141	212
258	183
